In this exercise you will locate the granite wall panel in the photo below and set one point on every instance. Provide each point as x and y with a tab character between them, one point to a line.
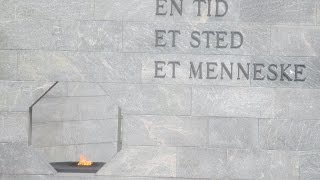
164	131
295	40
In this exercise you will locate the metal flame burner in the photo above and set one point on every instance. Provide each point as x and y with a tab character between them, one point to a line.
72	167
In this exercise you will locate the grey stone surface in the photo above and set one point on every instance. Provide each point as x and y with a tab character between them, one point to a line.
233	102
94	152
20	159
8	65
13	126
74	108
289	135
164	131
240	133
19	95
278	11
150	99
74	132
318	14
77	66
140	37
60	35
56	9
298	104
310	72
201	163
256	164
310	166
295	40
142	161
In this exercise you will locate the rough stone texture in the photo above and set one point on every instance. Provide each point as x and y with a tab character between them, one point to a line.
74	108
256	164
47	9
233	133
74	132
278	11
143	161
256	102
19	96
60	35
77	66
309	166
295	41
13	126
201	163
233	102
151	99
8	65
21	159
164	130
289	135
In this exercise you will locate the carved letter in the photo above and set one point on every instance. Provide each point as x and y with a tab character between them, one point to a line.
217	8
199	6
174	63
256	71
299	71
157	69
160	37
179	9
196	39
240	39
194	72
158	6
284	74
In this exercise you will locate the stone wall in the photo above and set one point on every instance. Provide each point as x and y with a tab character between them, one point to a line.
102	52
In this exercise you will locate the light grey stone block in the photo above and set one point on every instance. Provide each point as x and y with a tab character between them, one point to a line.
99	36
310	72
295	41
48	9
74	109
140	37
151	99
298	104
233	102
256	164
78	66
289	135
74	132
183	71
85	89
164	131
7	11
13	127
8	65
278	11
240	133
94	152
309	166
38	34
60	35
19	95
142	161
190	12
20	159
201	163
318	14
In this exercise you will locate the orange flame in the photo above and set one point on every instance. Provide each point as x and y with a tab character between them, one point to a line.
84	161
